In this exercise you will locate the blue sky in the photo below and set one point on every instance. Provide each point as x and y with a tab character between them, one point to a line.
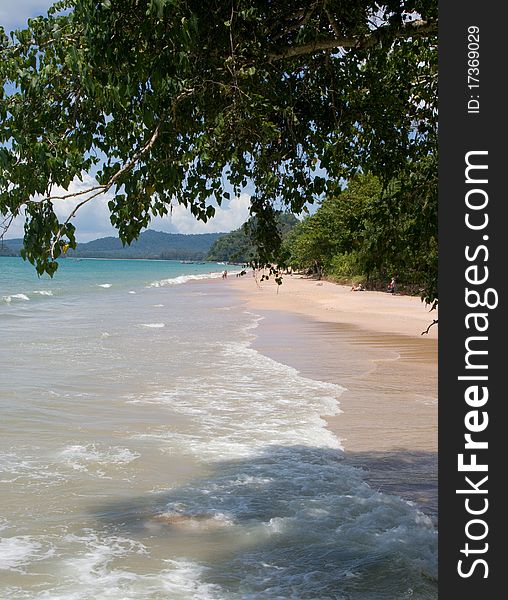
14	13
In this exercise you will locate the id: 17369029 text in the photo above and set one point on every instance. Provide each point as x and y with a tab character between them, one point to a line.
473	70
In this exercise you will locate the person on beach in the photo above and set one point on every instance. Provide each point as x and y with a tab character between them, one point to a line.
224	274
357	288
391	286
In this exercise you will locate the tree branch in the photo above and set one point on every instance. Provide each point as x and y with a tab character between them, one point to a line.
5	224
303	17
434	322
417	28
74	194
102	189
332	21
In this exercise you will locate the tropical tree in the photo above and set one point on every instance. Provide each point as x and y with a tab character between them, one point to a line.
373	231
239	245
339	226
184	101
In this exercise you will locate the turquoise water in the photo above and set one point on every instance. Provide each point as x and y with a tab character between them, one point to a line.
81	276
147	451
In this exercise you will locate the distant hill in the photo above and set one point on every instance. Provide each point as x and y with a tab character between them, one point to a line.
237	246
151	244
6	250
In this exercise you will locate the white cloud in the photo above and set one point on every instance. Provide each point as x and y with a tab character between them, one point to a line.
92	219
15	13
226	218
15	229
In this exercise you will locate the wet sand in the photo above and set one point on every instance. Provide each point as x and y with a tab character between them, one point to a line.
371	344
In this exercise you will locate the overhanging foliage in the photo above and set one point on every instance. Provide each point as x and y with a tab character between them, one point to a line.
186	101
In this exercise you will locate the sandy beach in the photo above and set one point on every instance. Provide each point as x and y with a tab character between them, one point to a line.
371	344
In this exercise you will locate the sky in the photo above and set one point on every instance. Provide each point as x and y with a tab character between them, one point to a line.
92	220
14	13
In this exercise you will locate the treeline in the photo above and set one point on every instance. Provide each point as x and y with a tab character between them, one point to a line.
240	245
369	233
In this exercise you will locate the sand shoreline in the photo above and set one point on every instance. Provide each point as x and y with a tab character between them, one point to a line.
371	344
326	301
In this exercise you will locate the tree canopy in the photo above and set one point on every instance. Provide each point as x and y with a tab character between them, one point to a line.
239	245
184	101
367	232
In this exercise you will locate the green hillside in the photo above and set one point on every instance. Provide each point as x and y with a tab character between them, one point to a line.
6	250
151	244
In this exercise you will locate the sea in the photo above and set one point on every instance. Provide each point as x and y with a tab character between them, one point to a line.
148	451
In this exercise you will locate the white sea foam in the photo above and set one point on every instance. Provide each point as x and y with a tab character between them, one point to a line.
153	325
43	292
17	552
12	297
158	305
104	285
93	572
88	457
27	469
184	580
132	292
238	415
99	551
90	566
185	278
